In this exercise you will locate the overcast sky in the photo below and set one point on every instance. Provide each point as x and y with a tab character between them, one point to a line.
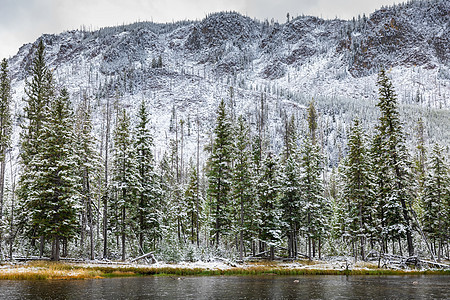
23	21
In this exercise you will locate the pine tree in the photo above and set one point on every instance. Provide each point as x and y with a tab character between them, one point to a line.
219	174
436	199
290	187
357	189
124	177
39	94
242	191
392	165
89	170
148	215
316	209
5	132
53	192
269	204
312	121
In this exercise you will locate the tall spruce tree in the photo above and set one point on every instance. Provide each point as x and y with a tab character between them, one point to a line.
436	200
393	167
5	132
290	187
219	174
269	205
242	191
89	170
316	209
148	214
53	192
39	94
357	189
124	178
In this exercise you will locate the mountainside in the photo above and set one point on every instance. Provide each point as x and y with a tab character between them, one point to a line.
258	66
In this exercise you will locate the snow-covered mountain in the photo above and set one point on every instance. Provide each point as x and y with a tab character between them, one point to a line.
259	64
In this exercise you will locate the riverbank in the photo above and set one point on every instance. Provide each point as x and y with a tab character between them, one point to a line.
44	270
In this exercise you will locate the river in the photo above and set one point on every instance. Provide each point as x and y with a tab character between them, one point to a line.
233	287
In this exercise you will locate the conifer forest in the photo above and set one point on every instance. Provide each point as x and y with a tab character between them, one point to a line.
109	192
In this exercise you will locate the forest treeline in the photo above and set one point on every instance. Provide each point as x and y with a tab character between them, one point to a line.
73	199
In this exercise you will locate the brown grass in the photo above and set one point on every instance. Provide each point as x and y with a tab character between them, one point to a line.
43	270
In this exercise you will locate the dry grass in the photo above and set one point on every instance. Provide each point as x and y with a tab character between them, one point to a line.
43	270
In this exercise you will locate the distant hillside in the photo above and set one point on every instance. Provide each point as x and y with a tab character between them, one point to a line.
281	66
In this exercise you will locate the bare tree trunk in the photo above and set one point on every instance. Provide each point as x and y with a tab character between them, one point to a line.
55	248
197	200
241	231
123	225
309	247
320	248
90	219
2	187
105	198
41	246
11	224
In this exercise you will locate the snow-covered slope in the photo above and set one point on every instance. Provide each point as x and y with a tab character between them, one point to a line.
286	65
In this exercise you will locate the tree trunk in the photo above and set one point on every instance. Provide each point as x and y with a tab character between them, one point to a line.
241	231
41	246
440	250
141	221
320	248
314	247
2	185
295	240
123	226
55	248
90	219
105	199
272	252
198	182
309	247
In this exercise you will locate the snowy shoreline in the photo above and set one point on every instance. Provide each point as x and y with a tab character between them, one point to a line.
98	269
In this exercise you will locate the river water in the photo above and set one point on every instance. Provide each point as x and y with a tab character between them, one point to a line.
233	287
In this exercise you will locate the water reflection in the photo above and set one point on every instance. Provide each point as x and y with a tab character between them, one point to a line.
234	287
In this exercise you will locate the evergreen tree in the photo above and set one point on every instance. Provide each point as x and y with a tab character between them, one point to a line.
89	170
316	209
53	192
392	166
269	205
39	94
357	189
312	121
290	187
5	132
436	199
124	177
219	174
148	215
242	191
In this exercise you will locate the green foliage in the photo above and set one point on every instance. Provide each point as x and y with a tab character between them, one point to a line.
269	202
147	217
391	167
219	174
316	209
436	198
